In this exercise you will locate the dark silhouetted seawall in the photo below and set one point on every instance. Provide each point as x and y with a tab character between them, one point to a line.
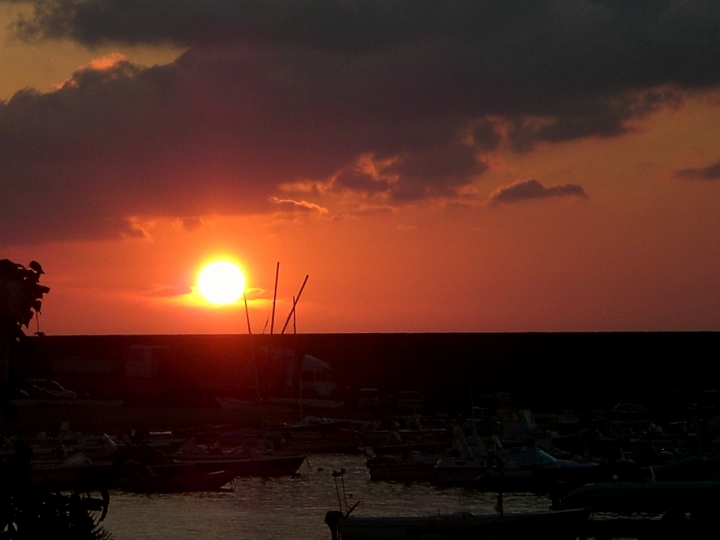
554	369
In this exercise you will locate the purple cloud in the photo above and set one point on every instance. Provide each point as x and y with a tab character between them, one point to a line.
711	172
272	94
526	190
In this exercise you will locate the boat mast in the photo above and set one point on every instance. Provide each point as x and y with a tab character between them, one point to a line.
302	361
272	317
295	301
252	348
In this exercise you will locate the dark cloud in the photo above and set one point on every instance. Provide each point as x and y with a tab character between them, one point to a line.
218	131
361	180
526	190
485	135
603	44
433	172
601	118
321	23
437	171
711	172
272	93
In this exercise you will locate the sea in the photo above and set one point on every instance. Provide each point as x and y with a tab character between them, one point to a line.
292	507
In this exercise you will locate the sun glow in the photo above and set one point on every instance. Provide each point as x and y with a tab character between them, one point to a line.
221	283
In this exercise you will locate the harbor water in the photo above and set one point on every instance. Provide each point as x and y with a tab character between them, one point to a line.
292	507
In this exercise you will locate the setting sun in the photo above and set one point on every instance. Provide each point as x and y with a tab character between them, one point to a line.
221	282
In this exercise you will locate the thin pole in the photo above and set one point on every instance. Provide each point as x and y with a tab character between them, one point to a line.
295	301
252	348
302	361
272	319
300	381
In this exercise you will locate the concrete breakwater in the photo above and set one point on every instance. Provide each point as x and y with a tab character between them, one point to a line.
552	370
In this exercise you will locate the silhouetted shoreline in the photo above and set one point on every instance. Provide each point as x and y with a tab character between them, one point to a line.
553	370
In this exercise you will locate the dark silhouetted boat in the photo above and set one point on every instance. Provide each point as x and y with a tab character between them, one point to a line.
655	497
461	525
262	465
173	479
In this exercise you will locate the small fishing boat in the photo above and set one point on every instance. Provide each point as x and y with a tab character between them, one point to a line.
171	479
76	472
559	524
263	465
404	468
556	524
649	497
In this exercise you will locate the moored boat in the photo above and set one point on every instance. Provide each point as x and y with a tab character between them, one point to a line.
169	479
263	465
77	472
461	525
649	497
404	468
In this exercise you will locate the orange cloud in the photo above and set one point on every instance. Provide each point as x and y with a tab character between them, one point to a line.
288	205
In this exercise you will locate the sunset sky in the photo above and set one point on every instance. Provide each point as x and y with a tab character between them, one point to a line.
433	166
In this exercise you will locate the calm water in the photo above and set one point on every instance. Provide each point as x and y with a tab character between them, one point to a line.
290	508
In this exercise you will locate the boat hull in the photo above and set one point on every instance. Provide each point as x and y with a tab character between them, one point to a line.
177	483
648	497
263	466
558	525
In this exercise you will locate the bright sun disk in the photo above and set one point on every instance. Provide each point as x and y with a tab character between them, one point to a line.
221	282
